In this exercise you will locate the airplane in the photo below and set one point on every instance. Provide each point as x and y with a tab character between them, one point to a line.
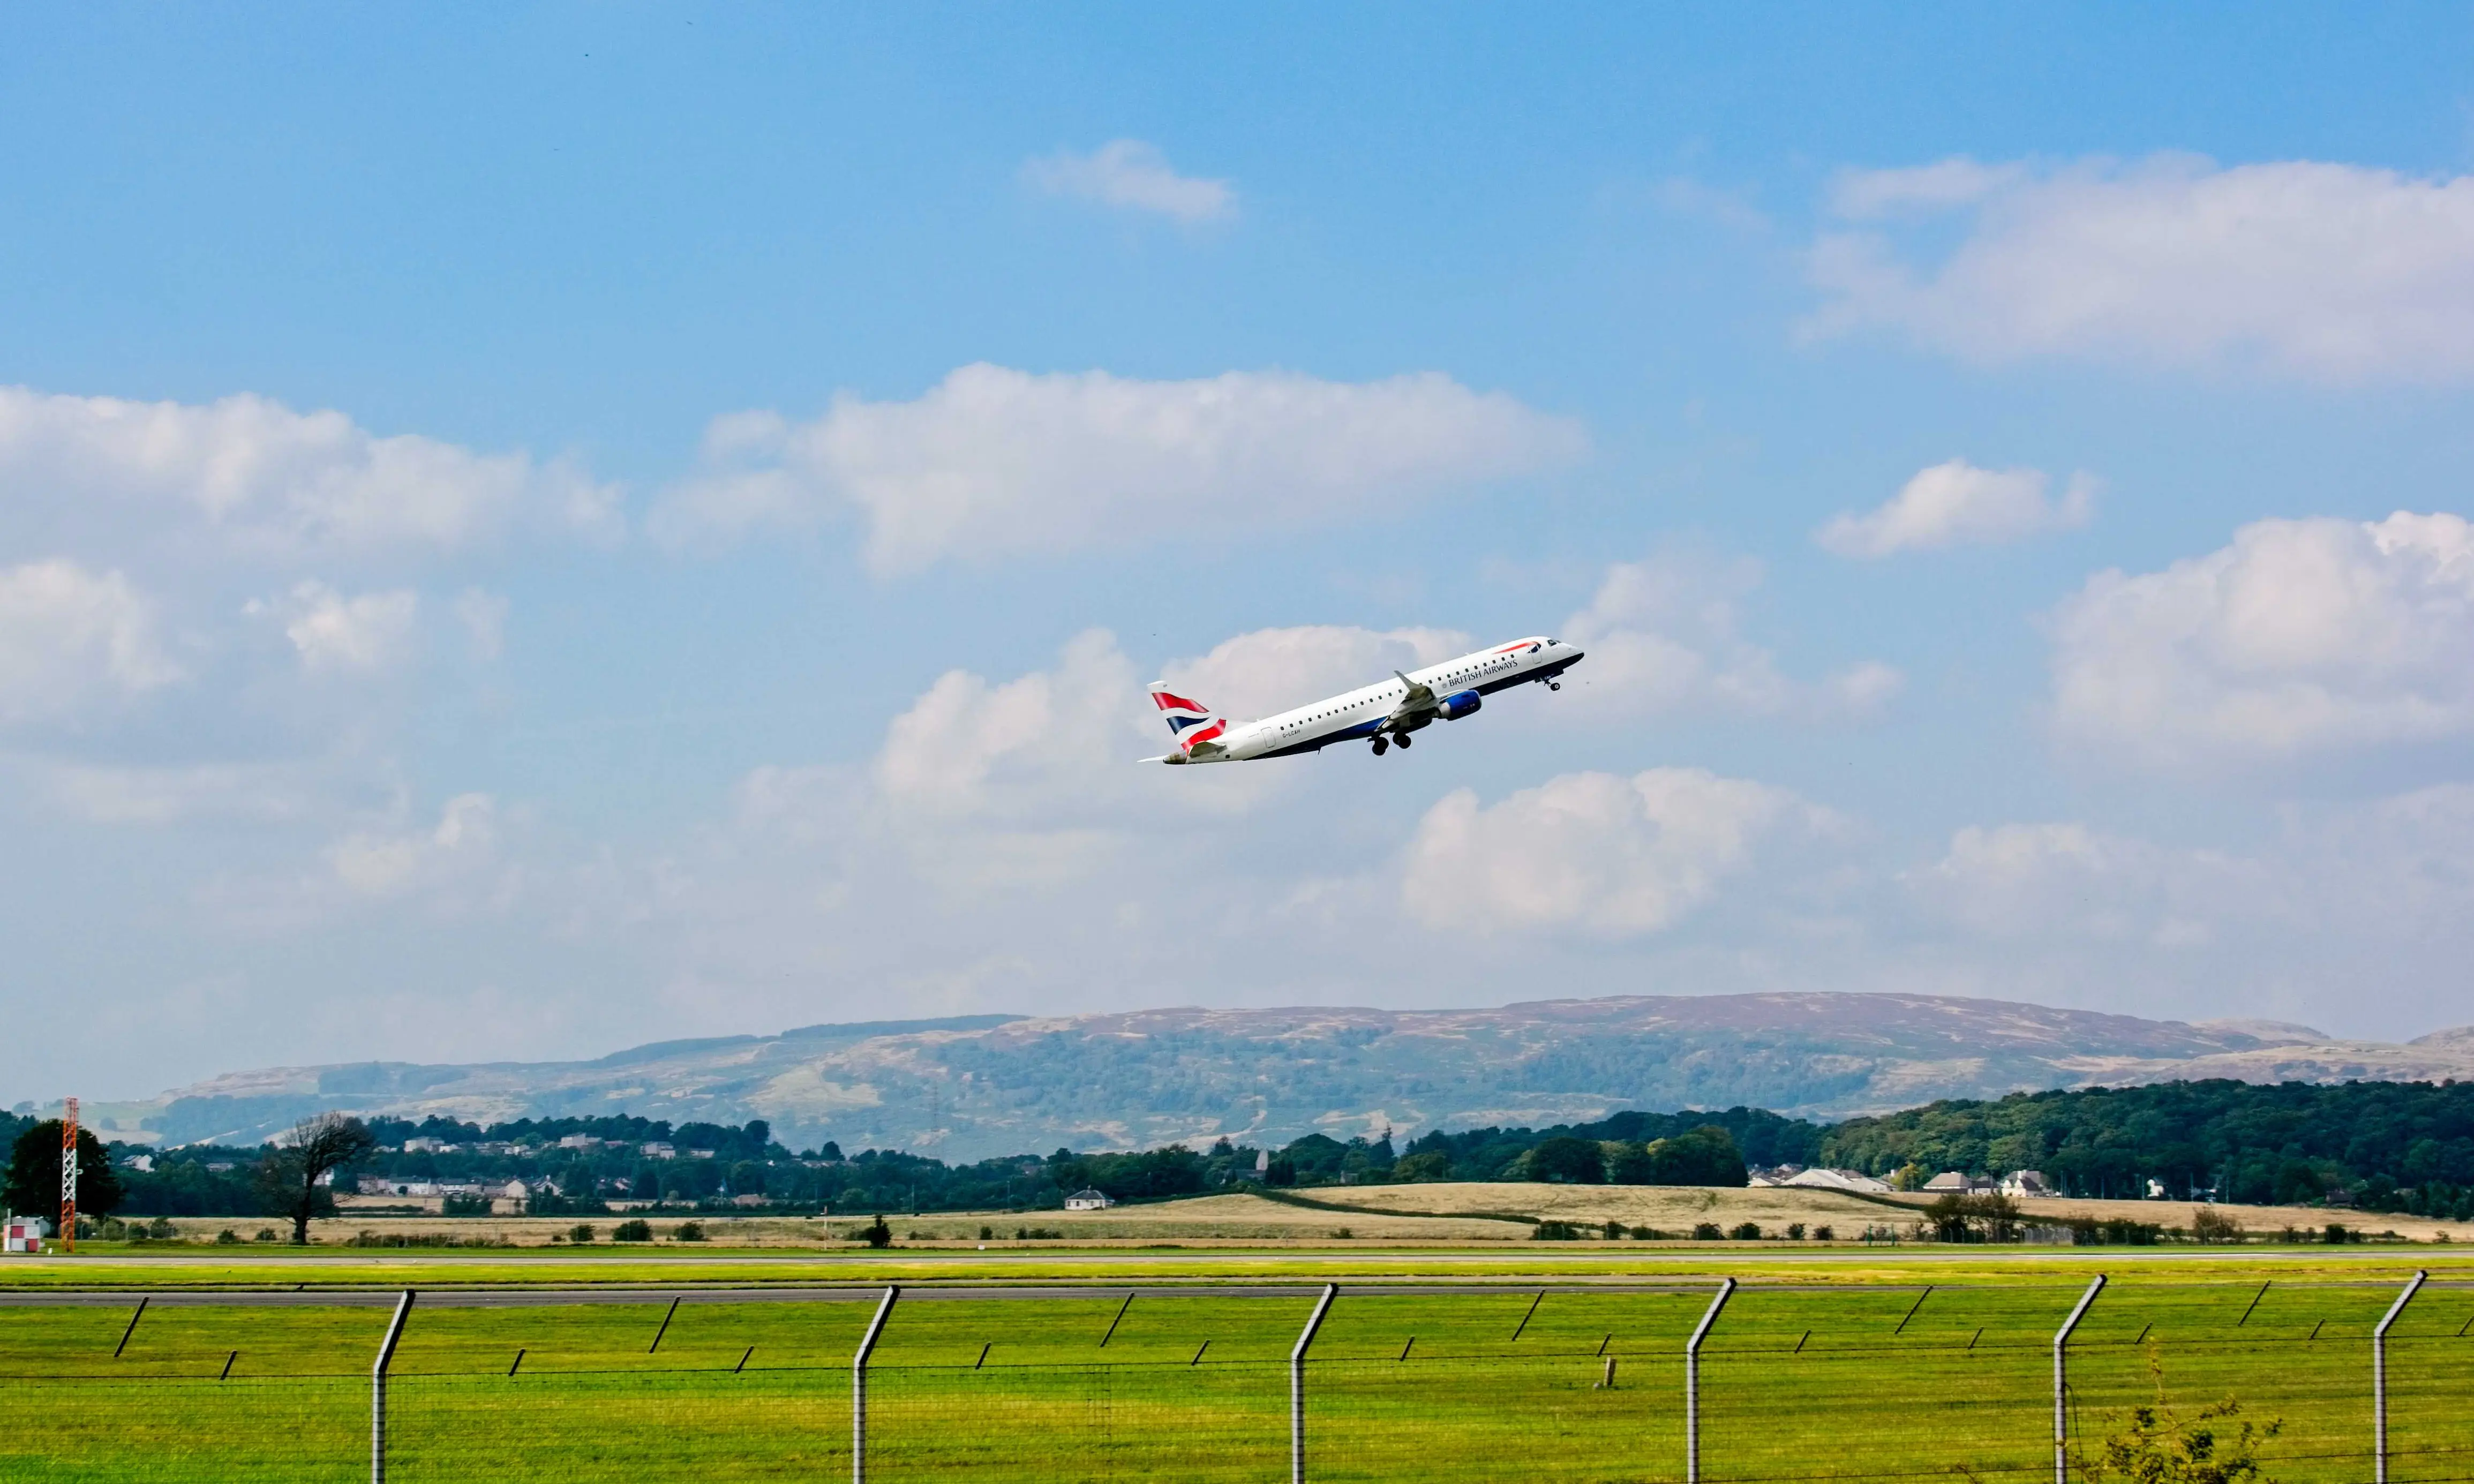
1387	712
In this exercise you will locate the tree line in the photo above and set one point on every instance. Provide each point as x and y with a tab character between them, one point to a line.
2381	1146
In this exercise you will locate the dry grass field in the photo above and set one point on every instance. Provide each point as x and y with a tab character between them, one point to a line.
1444	1214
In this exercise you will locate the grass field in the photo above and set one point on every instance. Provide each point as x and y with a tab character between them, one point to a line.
1833	1367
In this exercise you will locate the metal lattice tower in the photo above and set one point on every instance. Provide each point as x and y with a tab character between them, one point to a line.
68	1179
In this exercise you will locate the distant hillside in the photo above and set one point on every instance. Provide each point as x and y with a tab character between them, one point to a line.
978	1086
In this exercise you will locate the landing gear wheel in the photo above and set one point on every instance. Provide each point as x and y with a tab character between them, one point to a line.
1381	746
1404	742
1554	685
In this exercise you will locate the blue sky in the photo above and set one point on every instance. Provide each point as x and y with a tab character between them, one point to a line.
527	530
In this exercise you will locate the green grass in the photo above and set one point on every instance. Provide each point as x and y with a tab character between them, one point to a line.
1799	1379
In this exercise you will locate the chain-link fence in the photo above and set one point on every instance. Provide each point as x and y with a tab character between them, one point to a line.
1402	1381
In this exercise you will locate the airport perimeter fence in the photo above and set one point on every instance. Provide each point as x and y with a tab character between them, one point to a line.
2370	1381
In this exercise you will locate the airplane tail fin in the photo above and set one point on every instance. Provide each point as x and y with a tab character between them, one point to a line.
1194	724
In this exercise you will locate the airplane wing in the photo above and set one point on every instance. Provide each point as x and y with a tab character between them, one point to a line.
1420	699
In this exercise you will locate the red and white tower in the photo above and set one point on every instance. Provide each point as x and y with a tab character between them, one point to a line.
68	1179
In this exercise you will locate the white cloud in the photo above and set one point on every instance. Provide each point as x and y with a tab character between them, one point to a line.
994	462
967	746
1956	503
385	865
277	480
2066	880
2325	272
1612	856
2301	637
332	632
70	638
1136	177
1664	636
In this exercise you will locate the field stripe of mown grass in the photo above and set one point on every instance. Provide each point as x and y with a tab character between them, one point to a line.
1799	1383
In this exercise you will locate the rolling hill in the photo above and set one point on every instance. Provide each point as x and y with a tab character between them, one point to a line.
969	1087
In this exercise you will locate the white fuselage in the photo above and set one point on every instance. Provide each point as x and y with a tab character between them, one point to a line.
1387	709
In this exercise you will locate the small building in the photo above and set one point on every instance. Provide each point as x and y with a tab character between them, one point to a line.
24	1234
425	1145
658	1150
579	1141
1957	1182
1087	1199
751	1200
2025	1184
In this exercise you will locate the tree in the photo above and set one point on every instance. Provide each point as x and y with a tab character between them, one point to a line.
1568	1161
292	1179
1989	1217
34	1172
1706	1156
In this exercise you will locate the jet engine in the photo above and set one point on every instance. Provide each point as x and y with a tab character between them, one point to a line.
1465	703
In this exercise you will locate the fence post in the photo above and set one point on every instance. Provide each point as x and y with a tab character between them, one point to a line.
2380	1380
1297	1386
1692	1383
859	1383
377	1388
2061	1381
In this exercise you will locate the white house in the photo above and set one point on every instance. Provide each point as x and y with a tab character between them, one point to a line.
2024	1185
1087	1199
24	1234
658	1150
1836	1179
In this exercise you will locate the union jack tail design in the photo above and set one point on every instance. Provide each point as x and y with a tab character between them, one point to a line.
1194	724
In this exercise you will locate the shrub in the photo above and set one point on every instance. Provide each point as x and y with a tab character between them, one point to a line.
1823	1234
1707	1231
988	1233
1035	1234
228	1237
2210	1225
1795	1231
2336	1234
265	1234
1748	1231
636	1230
688	1232
579	1232
2156	1446
878	1234
1554	1231
1614	1230
1647	1234
161	1229
1342	1233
